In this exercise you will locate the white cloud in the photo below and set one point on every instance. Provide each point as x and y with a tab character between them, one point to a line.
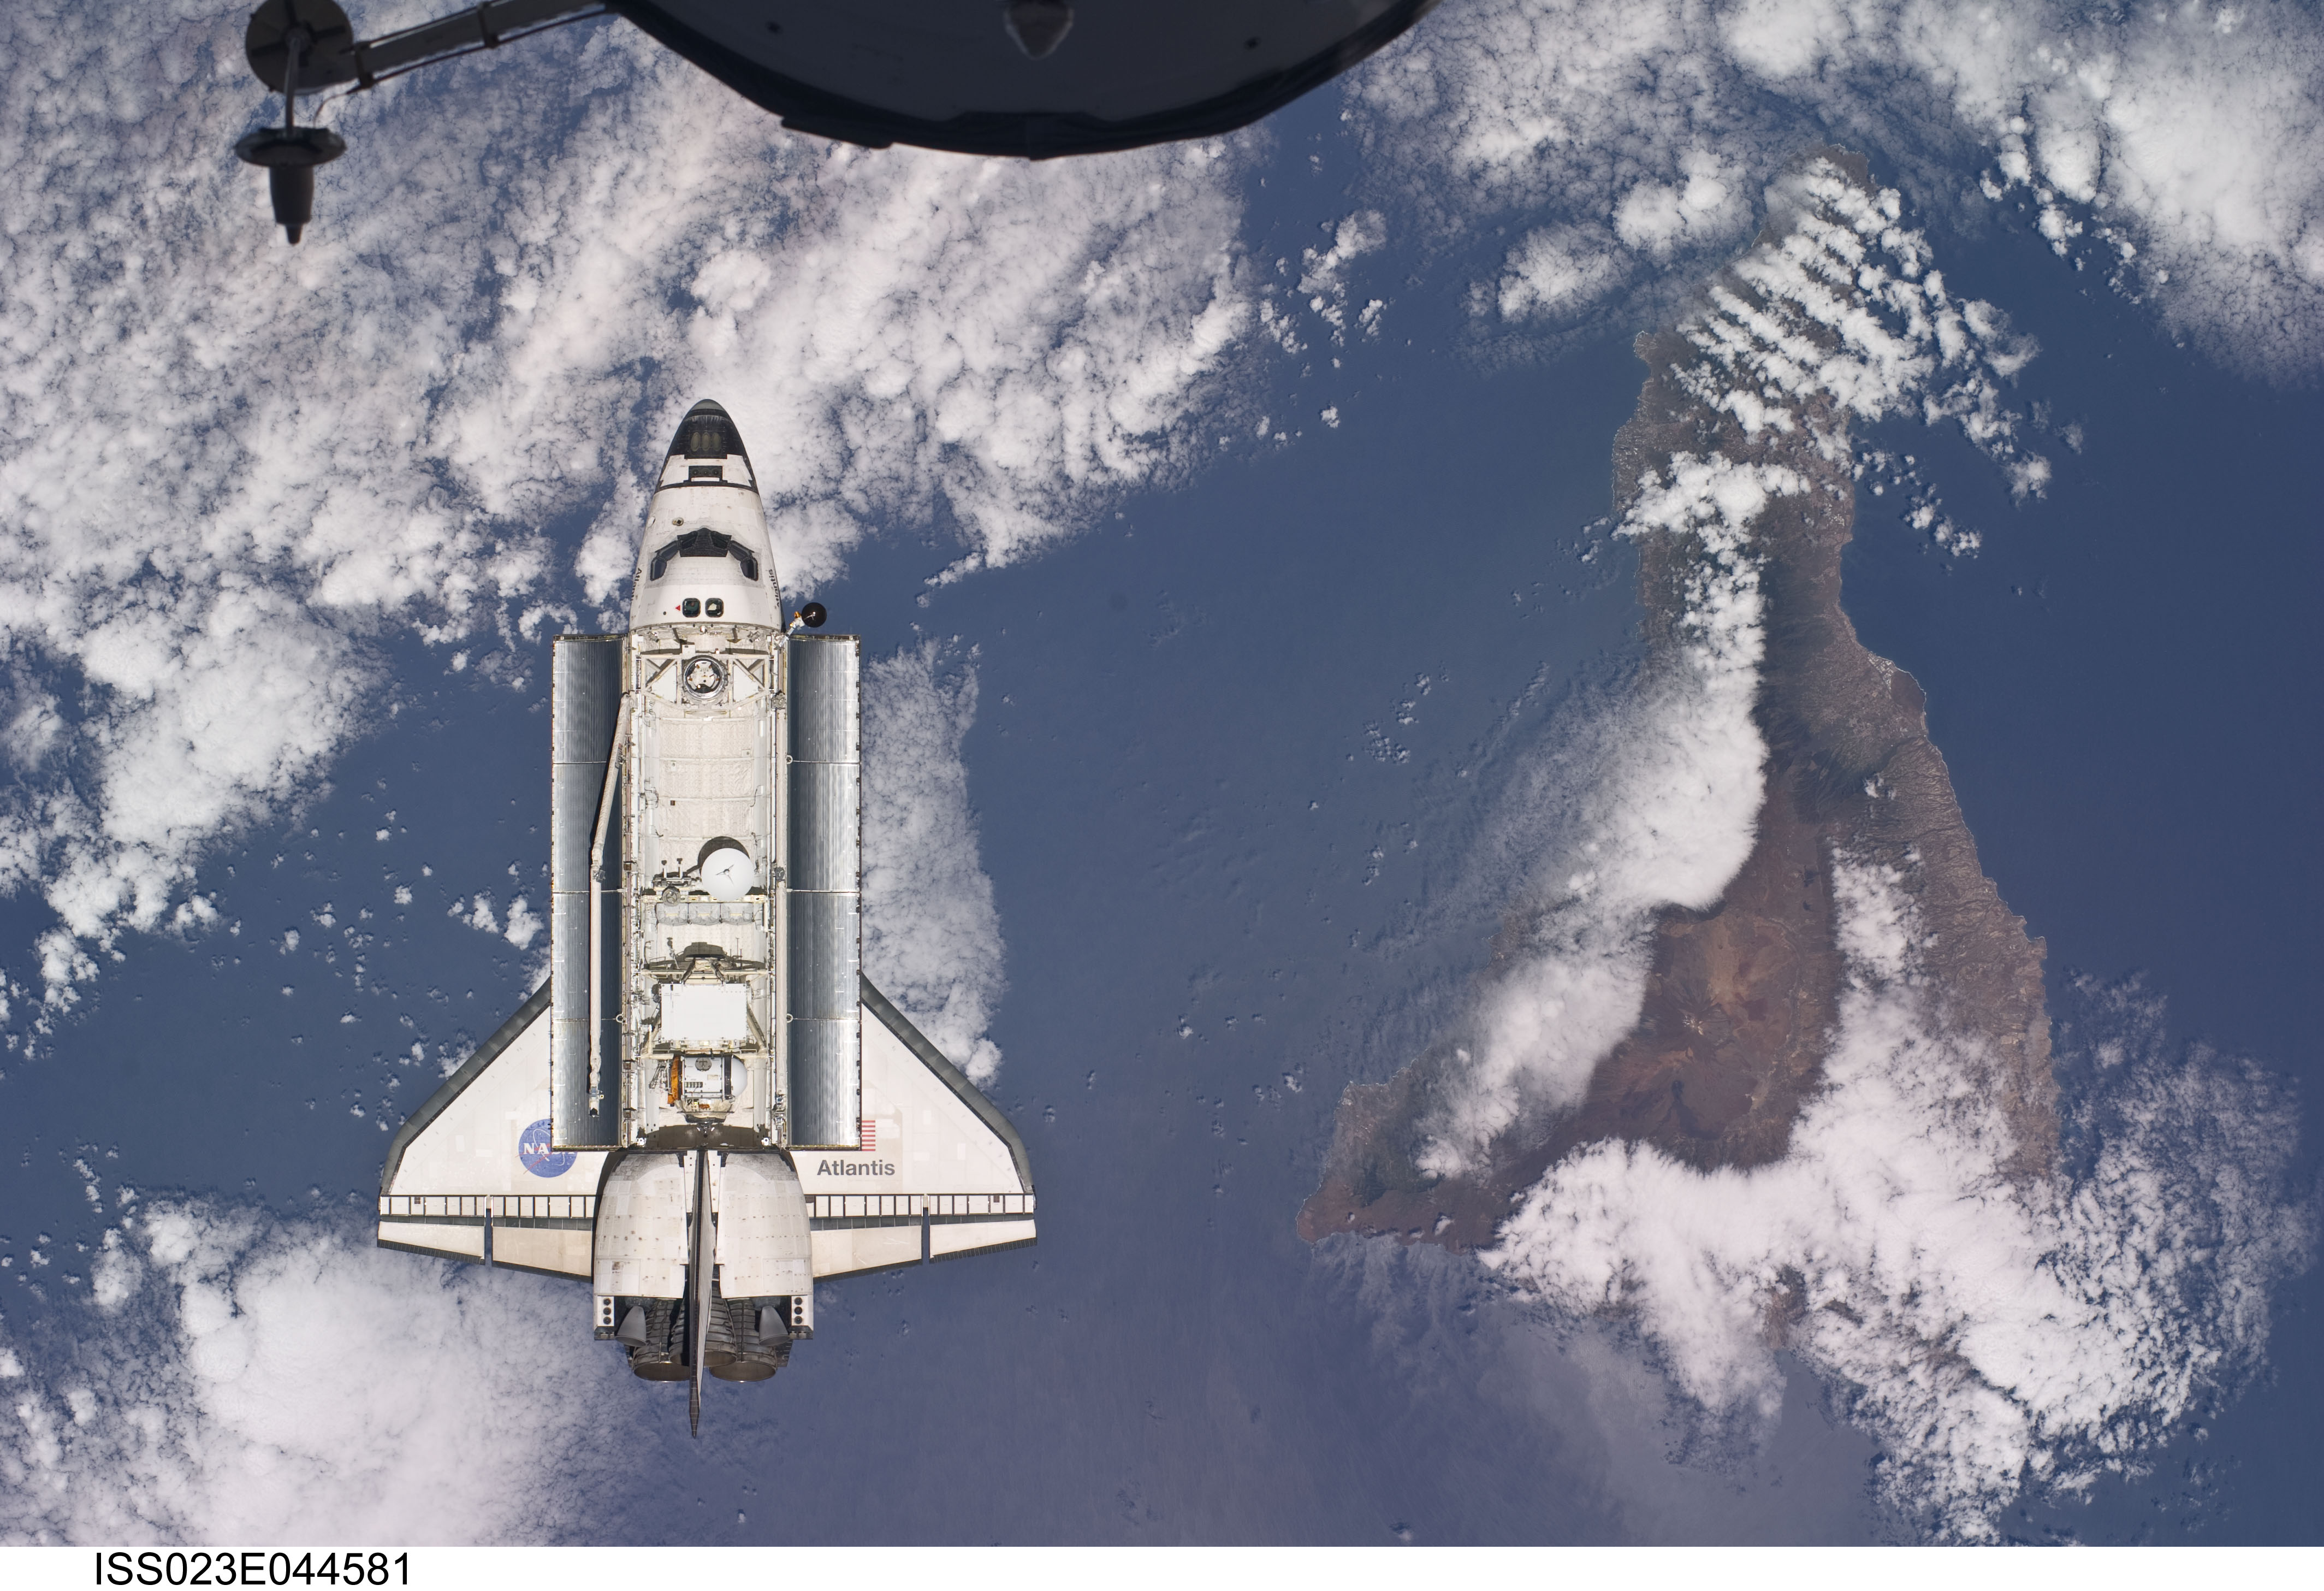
1322	274
1660	219
931	933
1840	317
478	913
1551	120
1990	1335
229	470
32	728
608	557
235	1378
1651	806
1556	269
2180	149
523	924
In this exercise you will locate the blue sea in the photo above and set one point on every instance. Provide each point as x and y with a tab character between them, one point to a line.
1230	747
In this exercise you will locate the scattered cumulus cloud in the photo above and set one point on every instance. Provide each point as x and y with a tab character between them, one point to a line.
2178	150
1551	120
931	932
1705	204
523	924
204	1393
1557	269
1323	275
1840	317
231	472
478	913
1990	1335
1652	804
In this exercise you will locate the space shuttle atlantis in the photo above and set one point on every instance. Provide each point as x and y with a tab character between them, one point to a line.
707	1108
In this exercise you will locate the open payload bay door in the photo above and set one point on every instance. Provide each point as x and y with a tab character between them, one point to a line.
475	1164
942	1172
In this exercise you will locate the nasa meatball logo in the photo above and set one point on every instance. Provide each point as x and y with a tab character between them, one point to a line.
532	1149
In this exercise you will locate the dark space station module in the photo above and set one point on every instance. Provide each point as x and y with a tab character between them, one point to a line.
1035	78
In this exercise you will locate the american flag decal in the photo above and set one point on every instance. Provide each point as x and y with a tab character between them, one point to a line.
870	1133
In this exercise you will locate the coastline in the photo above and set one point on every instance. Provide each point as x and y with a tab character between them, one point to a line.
1740	998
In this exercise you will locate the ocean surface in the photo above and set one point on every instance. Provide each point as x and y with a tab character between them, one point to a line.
1229	750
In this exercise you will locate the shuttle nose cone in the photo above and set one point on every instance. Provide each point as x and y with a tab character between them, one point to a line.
706	432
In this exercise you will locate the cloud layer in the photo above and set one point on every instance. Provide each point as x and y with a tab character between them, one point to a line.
2178	150
1991	1337
931	933
230	470
1991	1334
1652	801
1655	804
240	1378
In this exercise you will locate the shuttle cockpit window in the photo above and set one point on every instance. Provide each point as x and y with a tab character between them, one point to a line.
707	433
703	544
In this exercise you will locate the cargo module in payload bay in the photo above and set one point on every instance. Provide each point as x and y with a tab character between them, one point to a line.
707	1107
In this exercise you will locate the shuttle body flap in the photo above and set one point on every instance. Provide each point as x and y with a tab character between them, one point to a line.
641	1228
763	1242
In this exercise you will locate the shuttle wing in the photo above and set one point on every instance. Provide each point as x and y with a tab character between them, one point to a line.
473	1164
941	1171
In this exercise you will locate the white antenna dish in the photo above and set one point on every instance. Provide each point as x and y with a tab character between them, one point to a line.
725	869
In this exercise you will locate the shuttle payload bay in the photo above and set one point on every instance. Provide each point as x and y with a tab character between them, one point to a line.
707	1107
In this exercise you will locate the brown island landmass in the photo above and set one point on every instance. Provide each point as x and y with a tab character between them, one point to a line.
1741	998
